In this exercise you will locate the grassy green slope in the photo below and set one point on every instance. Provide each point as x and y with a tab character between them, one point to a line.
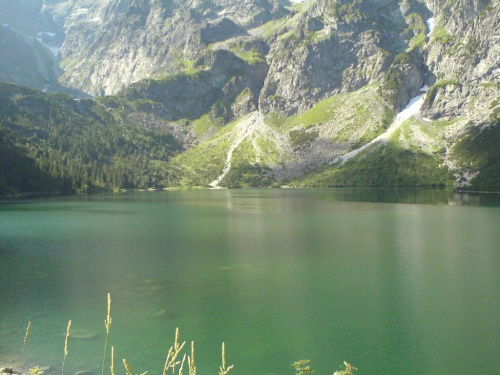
356	117
202	164
411	158
414	157
255	148
245	171
386	166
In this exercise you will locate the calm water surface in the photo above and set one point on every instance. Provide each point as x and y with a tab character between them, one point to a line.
394	282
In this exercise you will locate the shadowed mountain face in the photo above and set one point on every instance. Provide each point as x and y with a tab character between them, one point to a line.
25	60
325	77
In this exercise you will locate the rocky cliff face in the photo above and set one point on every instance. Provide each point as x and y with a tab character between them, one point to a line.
317	49
224	85
329	47
313	50
462	56
112	43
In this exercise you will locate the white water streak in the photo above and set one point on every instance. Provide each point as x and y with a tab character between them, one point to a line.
46	33
431	24
254	128
245	129
54	50
410	110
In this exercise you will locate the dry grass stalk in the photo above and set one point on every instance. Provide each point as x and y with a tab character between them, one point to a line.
112	365
349	370
223	370
107	325
127	367
68	330
171	361
26	336
191	364
182	364
168	360
107	322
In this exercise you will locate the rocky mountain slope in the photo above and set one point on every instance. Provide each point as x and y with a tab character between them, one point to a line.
267	93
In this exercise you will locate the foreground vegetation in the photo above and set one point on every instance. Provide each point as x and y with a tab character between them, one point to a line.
177	360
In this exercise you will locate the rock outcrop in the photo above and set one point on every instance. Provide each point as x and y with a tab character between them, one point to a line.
336	46
463	57
112	43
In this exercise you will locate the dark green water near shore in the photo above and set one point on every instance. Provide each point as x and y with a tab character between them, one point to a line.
395	282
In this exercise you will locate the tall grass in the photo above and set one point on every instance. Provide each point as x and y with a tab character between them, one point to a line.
302	368
128	369
107	325
112	365
191	364
348	370
26	337
223	370
172	354
66	340
173	364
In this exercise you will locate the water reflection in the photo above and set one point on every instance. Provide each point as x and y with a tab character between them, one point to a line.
257	200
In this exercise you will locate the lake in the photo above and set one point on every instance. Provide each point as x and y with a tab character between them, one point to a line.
394	282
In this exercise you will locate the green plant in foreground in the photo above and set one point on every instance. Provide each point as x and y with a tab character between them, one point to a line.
349	369
302	368
35	370
172	363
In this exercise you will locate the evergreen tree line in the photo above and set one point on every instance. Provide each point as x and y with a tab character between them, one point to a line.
50	142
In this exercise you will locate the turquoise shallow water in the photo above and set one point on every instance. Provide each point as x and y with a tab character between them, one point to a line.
395	282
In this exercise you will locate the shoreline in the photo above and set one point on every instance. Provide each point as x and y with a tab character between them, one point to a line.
20	196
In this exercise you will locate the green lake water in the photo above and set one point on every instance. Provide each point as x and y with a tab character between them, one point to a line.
394	282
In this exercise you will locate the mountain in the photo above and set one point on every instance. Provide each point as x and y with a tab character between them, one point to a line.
255	92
